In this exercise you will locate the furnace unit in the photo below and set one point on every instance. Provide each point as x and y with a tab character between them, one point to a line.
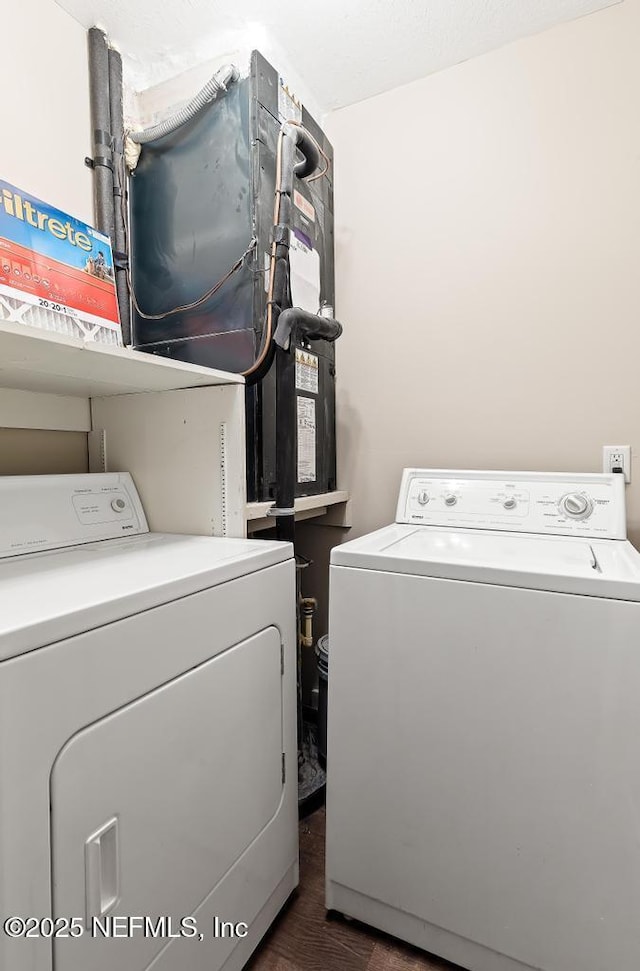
202	197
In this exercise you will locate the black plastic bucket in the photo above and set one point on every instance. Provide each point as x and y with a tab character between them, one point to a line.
322	654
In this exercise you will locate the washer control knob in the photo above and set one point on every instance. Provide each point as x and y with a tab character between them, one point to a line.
576	505
450	500
423	497
510	503
118	505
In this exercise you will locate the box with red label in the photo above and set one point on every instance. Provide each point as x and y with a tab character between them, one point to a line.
56	273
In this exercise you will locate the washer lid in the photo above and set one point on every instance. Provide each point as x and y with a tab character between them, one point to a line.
599	568
49	596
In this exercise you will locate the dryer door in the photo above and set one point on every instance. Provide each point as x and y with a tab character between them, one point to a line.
152	806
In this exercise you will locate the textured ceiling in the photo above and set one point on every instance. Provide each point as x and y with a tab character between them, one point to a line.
336	52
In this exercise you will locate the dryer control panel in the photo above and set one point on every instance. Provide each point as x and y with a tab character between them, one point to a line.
529	502
50	512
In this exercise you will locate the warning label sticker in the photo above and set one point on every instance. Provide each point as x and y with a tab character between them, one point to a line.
306	439
306	371
304	205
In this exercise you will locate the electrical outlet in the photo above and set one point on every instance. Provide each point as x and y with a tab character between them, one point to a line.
616	457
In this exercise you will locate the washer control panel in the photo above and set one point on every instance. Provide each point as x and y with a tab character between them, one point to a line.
48	512
532	502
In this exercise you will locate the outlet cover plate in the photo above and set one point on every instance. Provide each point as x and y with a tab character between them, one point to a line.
617	456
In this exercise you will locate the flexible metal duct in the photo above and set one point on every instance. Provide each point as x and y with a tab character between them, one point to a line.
219	82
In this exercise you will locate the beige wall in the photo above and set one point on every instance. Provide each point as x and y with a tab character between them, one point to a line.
45	138
29	451
488	264
45	105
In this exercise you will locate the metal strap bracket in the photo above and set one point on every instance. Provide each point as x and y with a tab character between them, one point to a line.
281	235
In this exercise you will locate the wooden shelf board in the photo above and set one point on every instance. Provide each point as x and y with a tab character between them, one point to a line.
307	505
36	360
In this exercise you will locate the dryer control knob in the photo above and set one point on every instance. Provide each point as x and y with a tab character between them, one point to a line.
576	505
423	497
510	503
450	500
118	505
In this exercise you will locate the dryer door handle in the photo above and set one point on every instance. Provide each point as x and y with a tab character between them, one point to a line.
102	871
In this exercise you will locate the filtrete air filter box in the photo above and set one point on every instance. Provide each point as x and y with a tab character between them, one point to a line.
56	272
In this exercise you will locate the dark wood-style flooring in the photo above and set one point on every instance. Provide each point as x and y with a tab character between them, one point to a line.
303	939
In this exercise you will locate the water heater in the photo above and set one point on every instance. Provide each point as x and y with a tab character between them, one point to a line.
199	197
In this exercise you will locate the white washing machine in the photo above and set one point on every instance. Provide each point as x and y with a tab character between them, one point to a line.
483	794
148	764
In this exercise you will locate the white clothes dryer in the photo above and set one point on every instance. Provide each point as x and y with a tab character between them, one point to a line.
148	763
483	796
